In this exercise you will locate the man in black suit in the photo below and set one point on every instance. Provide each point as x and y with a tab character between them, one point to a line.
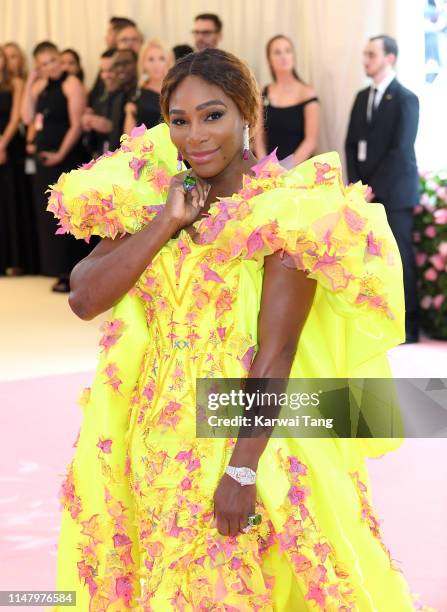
380	153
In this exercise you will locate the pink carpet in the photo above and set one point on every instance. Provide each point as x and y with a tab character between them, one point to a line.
40	424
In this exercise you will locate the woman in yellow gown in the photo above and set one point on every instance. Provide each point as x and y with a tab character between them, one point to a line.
257	272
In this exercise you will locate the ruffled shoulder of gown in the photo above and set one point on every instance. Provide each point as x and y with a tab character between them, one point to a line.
120	191
321	226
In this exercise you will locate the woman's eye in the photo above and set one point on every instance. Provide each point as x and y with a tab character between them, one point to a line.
214	116
178	122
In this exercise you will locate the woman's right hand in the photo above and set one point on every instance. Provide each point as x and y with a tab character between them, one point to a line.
185	207
33	76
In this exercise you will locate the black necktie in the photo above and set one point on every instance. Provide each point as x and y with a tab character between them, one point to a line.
373	107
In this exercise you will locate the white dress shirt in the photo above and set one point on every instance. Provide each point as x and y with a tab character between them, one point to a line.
380	90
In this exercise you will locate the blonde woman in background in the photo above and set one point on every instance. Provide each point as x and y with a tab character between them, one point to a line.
291	111
16	60
18	238
154	61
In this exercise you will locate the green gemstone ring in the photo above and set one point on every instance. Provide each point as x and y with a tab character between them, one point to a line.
189	182
254	519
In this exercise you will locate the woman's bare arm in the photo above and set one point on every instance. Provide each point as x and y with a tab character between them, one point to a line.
113	267
130	117
287	297
76	103
33	87
311	133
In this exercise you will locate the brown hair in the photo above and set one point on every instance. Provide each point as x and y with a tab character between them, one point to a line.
268	49
5	77
23	71
219	68
43	47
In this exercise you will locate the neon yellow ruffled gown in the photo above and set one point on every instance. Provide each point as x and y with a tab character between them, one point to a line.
137	514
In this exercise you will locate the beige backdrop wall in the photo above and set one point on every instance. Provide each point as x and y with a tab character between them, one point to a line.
329	36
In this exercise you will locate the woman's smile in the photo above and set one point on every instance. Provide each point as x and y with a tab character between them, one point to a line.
202	157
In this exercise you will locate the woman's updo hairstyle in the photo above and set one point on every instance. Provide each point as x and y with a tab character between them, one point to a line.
219	68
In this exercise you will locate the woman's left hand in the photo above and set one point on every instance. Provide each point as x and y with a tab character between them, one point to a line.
50	158
232	505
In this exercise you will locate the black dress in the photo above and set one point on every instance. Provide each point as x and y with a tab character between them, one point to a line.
284	126
58	253
148	107
18	236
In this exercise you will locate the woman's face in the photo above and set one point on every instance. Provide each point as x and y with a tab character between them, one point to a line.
155	63
69	63
49	64
205	125
281	56
13	59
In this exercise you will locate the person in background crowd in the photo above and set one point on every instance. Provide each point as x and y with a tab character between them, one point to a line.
18	235
96	120
115	25
16	60
181	50
11	90
54	101
129	37
153	64
71	63
207	31
291	109
125	68
380	152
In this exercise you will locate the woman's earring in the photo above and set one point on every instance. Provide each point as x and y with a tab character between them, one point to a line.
179	161
246	151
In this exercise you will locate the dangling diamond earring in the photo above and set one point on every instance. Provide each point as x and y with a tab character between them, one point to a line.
246	146
179	161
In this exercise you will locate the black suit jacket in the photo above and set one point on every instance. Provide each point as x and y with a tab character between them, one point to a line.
390	167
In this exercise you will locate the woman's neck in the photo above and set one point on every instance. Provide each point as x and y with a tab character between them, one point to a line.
153	84
56	78
229	181
285	79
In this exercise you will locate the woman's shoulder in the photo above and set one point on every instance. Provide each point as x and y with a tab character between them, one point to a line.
265	89
17	83
72	83
118	192
307	93
323	227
